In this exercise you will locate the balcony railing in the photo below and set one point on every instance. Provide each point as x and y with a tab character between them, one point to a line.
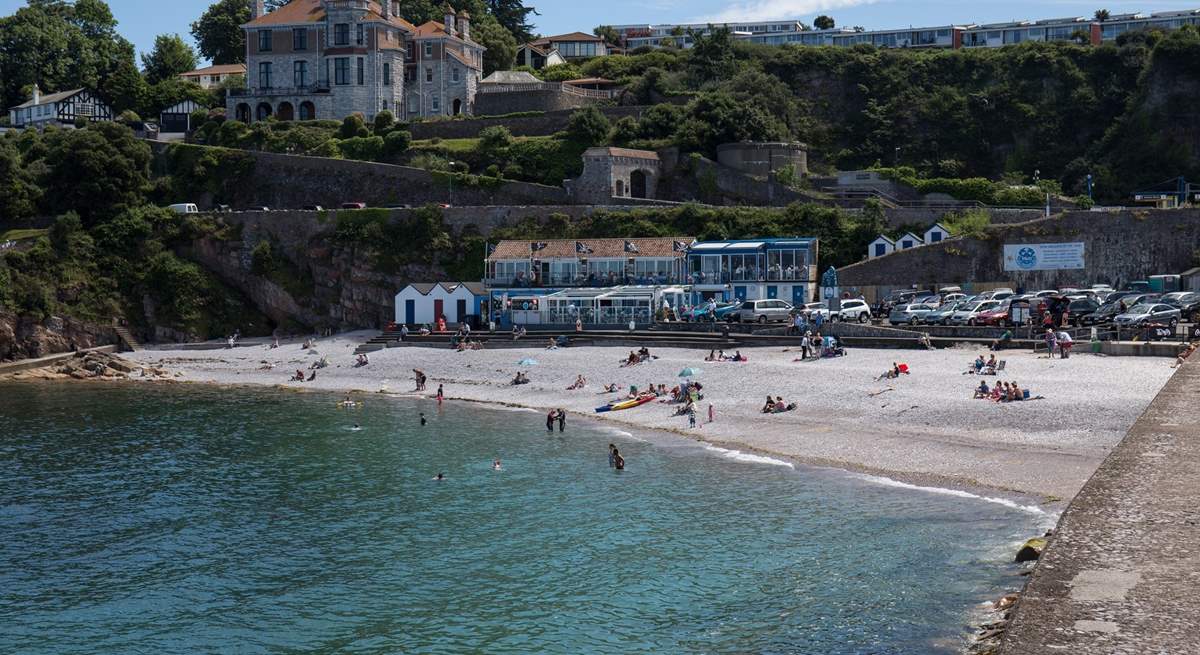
251	92
558	281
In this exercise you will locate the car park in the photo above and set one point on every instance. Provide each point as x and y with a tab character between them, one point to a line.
969	315
765	311
912	314
1140	315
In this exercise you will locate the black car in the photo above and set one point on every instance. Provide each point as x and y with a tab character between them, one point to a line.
1102	315
1188	306
1080	308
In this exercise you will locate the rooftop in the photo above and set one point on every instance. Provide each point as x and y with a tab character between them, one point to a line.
622	152
592	248
48	98
222	69
298	12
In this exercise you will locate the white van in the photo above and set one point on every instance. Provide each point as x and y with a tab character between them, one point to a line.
185	208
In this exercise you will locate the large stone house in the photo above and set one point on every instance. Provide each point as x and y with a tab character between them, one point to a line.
327	59
443	68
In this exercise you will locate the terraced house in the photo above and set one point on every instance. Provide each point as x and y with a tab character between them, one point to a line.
327	59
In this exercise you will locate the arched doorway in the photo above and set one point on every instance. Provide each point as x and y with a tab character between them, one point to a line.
242	113
620	188
457	106
285	112
637	184
307	111
263	112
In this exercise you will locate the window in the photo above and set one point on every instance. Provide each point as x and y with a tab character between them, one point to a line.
300	74
264	40
437	104
264	74
361	71
455	73
360	32
299	39
428	73
341	34
412	51
341	71
428	48
387	74
412	105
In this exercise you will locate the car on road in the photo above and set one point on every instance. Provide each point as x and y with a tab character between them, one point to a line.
941	315
184	208
854	309
912	314
723	312
312	208
764	311
1140	315
969	315
354	205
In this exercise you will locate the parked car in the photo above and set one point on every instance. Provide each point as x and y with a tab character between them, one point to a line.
763	311
1046	293
999	315
909	314
257	209
1080	308
969	315
184	208
953	297
723	312
941	315
1174	297
1139	315
1102	315
354	205
312	208
1188	306
854	309
815	309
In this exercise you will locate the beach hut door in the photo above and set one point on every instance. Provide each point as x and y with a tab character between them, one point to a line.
798	294
460	308
772	292
410	308
438	309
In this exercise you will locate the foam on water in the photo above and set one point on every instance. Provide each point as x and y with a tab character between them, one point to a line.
888	482
747	457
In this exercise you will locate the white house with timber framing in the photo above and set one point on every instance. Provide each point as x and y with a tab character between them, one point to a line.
59	109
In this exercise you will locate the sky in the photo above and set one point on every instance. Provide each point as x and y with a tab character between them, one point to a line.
141	20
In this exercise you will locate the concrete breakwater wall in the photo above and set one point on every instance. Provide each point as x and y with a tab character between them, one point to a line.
1120	573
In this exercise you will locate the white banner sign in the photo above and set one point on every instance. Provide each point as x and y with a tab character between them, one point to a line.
1043	256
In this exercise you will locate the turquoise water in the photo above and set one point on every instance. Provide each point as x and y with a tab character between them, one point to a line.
193	520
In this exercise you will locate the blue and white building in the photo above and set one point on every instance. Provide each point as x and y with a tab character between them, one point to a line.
753	269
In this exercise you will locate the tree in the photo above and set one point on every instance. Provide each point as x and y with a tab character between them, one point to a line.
588	127
500	43
383	122
514	16
609	34
824	22
170	57
18	193
98	171
219	34
1102	15
712	56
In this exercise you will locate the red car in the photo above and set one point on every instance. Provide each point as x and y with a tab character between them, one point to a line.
999	316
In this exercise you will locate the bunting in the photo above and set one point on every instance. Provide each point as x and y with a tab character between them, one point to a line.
537	246
681	246
631	247
582	248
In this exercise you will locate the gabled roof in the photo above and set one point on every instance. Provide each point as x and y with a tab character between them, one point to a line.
454	54
600	248
938	225
884	237
435	30
426	288
622	152
511	77
298	12
909	234
48	98
222	69
573	36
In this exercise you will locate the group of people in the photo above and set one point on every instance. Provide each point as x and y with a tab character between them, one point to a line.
519	378
815	346
1002	392
777	405
464	345
556	415
637	357
361	360
299	376
1058	340
720	356
983	366
419	379
894	372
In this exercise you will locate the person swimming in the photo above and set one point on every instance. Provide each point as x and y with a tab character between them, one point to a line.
496	465
618	461
423	421
356	427
612	456
440	477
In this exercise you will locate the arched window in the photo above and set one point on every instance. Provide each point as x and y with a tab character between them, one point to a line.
285	112
307	111
263	112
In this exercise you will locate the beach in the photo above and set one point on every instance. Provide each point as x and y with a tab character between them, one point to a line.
923	428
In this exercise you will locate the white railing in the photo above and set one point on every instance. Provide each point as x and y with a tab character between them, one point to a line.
546	86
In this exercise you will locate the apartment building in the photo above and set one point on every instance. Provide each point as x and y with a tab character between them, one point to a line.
561	49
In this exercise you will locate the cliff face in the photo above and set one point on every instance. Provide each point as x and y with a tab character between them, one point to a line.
23	337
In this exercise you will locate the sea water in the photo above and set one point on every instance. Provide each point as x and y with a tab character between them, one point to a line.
188	519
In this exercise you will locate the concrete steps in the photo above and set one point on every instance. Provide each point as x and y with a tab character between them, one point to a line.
127	338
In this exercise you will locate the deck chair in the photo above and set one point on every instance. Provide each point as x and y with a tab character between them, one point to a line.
1000	365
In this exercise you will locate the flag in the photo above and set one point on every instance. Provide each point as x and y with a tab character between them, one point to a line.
582	248
489	248
537	246
630	247
681	246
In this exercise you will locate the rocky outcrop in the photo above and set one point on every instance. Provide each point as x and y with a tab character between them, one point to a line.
23	337
93	366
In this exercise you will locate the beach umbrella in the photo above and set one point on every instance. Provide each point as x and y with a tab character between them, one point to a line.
527	362
689	372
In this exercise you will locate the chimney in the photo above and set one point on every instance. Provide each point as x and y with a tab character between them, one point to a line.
385	8
449	11
257	8
37	94
464	25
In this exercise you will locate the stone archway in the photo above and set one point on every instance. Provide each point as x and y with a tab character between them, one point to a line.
308	112
638	183
263	112
285	112
242	112
457	106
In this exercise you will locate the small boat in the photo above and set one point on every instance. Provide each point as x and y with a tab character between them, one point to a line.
617	406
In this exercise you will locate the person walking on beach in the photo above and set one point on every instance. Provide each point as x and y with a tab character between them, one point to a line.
805	344
440	394
691	416
562	419
711	413
550	416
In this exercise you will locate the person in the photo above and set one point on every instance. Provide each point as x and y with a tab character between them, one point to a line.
805	344
550	416
711	414
440	477
979	364
1183	356
313	376
403	332
612	455
275	343
618	461
769	406
299	376
712	356
441	395
356	427
691	415
925	341
423	421
578	325
1051	342
1003	341
1064	344
611	388
982	391
580	382
552	345
562	420
496	465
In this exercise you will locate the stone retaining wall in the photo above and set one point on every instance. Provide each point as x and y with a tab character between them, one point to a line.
544	125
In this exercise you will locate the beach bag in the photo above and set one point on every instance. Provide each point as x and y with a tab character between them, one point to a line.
903	368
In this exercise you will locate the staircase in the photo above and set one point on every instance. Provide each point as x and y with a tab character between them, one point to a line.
126	337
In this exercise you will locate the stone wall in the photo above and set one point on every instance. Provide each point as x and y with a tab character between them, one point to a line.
291	181
543	125
533	100
763	158
927	216
1119	247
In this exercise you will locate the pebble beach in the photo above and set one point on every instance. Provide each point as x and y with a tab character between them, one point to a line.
923	428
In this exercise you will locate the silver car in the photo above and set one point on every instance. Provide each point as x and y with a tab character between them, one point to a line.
966	315
1139	315
909	314
764	311
941	315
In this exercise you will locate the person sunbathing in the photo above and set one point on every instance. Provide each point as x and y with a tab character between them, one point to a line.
712	356
520	379
999	391
982	391
610	388
553	345
580	382
1017	394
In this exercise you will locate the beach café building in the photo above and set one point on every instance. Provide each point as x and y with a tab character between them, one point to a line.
753	269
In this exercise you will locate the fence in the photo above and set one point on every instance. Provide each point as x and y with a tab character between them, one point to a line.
546	86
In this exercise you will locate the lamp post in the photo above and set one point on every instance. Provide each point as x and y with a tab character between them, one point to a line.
896	160
453	166
1089	186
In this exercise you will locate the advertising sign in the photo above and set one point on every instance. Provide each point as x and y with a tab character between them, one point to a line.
1043	256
